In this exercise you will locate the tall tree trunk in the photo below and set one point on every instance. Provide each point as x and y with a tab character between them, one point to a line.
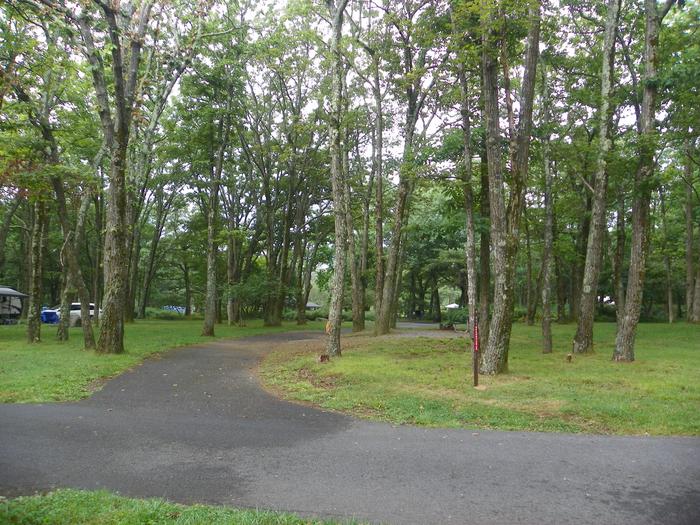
530	296
5	230
338	183
98	276
358	304
211	300
695	313
37	273
377	166
77	277
643	184
364	247
548	248
188	288
63	328
384	316
667	258
111	339
394	312
232	256
505	222
583	340
116	135
74	280
484	252
578	264
619	255
470	246
689	237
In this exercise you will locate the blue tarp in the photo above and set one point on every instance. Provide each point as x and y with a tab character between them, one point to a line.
49	316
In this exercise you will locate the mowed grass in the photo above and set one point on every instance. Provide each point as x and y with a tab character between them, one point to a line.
53	371
427	381
78	507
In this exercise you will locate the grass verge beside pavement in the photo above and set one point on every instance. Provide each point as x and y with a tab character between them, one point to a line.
79	507
53	371
427	381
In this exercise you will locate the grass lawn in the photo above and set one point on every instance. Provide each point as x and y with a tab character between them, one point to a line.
73	507
53	371
428	382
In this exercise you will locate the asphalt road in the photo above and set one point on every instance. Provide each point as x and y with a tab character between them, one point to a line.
195	426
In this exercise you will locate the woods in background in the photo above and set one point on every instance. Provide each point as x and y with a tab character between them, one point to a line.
540	159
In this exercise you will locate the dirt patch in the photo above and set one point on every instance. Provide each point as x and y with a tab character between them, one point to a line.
328	382
96	384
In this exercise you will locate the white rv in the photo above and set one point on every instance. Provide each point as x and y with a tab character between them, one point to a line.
10	305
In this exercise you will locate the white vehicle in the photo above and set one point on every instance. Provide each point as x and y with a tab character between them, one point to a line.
75	315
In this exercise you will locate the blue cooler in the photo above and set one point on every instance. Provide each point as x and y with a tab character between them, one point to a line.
49	317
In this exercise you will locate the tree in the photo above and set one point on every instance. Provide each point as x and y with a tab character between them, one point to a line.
505	221
583	340
338	177
643	184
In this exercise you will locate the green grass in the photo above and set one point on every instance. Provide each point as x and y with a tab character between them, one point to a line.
53	371
79	507
428	382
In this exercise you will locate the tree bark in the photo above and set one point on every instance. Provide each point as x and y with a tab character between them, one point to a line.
505	222
468	191
695	314
116	136
377	165
689	238
5	230
643	184
211	300
583	340
36	275
548	249
620	236
530	295
667	258
338	182
484	253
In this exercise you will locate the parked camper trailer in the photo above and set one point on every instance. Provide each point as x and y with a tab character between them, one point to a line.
10	305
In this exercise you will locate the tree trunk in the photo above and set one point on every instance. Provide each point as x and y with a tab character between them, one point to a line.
384	316
211	300
111	339
619	255
98	274
530	296
377	166
577	266
689	238
695	314
667	258
484	253
232	255
116	136
470	246
338	182
548	249
583	340
643	184
358	304
5	230
36	276
505	222
394	312
62	330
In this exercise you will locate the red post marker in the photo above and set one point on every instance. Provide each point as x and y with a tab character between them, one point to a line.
475	358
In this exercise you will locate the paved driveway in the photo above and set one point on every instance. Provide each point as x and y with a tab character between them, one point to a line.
195	426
